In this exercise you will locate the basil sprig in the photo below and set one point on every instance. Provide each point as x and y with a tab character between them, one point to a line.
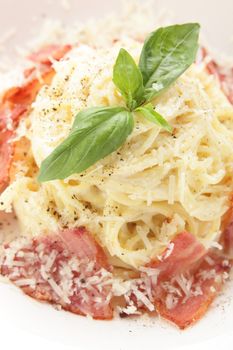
96	133
150	114
166	54
99	131
128	79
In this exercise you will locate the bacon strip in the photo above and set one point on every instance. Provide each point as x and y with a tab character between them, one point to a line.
44	55
207	280
69	269
6	148
188	280
84	246
225	76
5	158
186	251
227	231
17	101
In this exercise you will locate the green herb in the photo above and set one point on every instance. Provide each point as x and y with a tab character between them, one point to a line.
128	79
166	54
96	133
154	117
99	131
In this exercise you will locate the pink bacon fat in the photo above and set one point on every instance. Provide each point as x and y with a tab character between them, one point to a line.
69	269
186	280
223	74
16	102
48	53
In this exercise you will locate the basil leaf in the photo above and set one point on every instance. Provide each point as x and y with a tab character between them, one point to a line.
166	54
128	79
154	117
96	133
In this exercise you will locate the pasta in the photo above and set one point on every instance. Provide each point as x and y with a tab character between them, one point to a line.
136	200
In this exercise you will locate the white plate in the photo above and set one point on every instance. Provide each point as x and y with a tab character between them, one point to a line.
30	325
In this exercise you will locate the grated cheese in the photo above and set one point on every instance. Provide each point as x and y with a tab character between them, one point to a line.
209	260
143	299
128	310
169	250
171	301
216	245
50	260
25	282
212	289
185	284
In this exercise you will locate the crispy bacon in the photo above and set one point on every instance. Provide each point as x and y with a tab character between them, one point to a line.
84	246
225	76
185	309
10	115
5	158
24	95
186	251
188	279
227	231
69	269
44	55
16	103
6	148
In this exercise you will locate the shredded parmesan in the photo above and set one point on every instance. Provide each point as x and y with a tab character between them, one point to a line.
216	245
169	250
25	282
